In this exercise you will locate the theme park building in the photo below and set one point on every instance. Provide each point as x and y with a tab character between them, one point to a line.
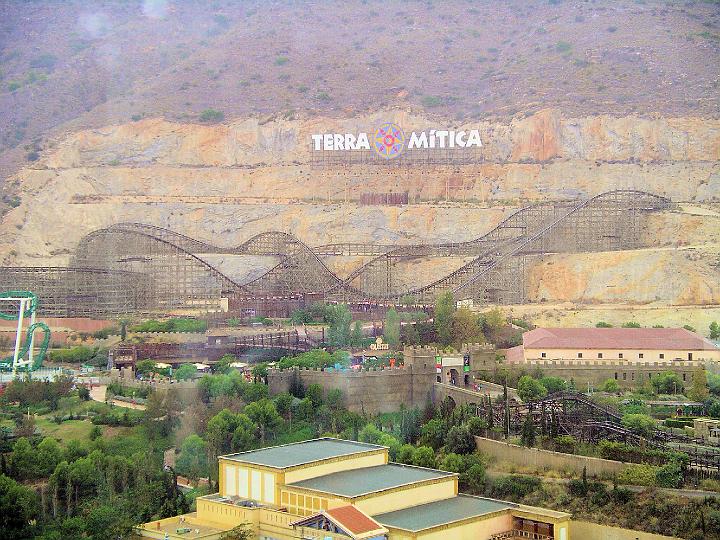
332	489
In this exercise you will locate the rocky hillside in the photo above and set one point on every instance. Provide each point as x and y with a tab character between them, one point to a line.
226	183
70	65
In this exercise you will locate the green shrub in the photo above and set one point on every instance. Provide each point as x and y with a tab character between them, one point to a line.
515	486
431	101
563	47
669	475
639	475
212	115
678	423
565	443
44	61
181	325
281	60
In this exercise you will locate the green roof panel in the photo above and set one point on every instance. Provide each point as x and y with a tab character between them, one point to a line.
426	516
292	455
358	482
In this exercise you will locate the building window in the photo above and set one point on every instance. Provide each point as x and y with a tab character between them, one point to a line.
690	356
579	355
684	379
620	355
640	355
543	355
599	355
616	375
632	376
662	355
624	376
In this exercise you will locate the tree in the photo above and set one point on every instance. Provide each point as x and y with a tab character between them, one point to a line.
192	461
222	366
242	532
494	320
424	456
283	403
639	423
107	522
260	373
466	327
699	388
460	441
432	433
451	463
370	434
477	426
689	328
714	330
18	507
264	414
611	386
185	372
49	454
528	432
529	388
667	382
339	317
405	454
243	438
314	393
444	310
144	367
84	393
392	327
220	429
411	336
473	479
24	466
553	384
356	336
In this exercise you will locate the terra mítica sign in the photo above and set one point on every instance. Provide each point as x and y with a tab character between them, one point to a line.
389	140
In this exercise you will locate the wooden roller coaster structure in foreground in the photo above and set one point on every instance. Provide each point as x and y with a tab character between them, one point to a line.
577	415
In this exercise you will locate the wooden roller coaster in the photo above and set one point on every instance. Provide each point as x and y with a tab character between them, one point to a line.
134	267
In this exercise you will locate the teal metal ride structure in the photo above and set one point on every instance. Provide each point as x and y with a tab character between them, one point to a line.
27	304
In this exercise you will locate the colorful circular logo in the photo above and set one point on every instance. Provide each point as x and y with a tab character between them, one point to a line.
389	140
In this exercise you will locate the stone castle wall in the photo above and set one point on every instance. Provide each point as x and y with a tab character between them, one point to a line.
370	391
596	372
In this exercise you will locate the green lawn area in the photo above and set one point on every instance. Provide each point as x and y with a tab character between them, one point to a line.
71	429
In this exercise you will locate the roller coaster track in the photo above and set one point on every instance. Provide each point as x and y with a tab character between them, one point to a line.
604	222
175	273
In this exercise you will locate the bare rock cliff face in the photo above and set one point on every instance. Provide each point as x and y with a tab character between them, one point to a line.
223	183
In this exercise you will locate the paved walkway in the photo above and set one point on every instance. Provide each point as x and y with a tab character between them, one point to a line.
97	393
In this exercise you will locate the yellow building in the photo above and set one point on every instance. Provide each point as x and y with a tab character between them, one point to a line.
331	489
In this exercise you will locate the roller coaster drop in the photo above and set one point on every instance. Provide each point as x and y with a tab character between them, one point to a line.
131	267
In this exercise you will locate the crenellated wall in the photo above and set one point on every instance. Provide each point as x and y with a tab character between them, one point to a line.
369	391
378	390
626	373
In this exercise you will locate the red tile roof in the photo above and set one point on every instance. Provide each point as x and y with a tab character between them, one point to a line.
353	520
673	339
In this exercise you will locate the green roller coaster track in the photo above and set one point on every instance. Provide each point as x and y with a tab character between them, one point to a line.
6	364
